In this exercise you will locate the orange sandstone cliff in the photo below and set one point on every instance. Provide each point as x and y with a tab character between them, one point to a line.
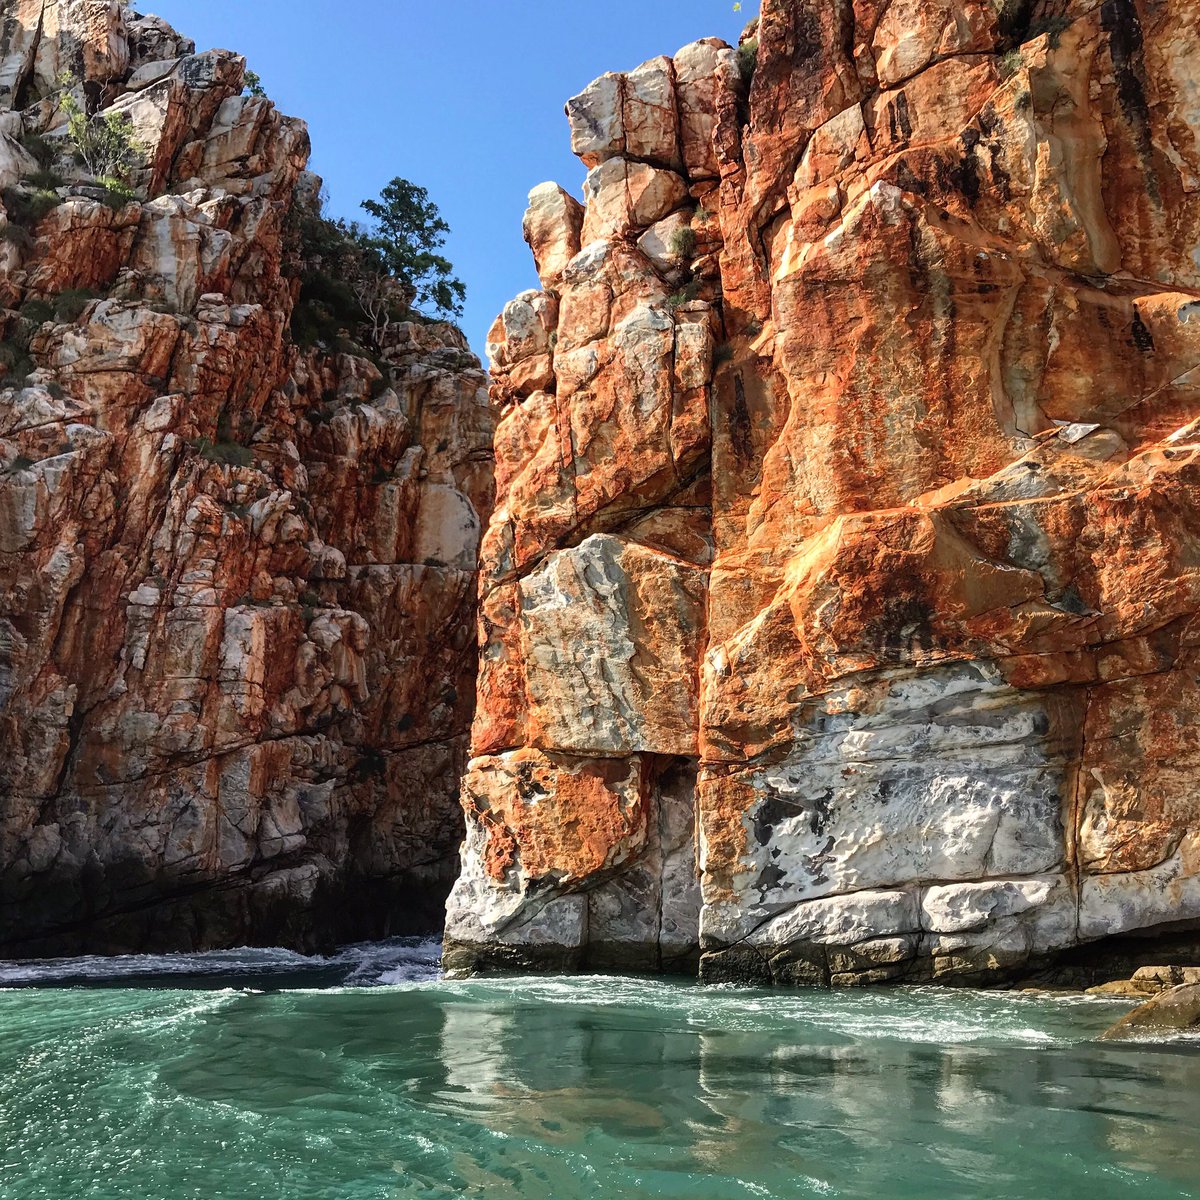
237	576
839	604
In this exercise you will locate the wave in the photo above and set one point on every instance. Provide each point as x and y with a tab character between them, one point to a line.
369	964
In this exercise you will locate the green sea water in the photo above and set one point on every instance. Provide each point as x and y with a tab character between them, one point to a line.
264	1077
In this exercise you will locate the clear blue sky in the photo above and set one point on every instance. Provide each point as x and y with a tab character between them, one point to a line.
462	96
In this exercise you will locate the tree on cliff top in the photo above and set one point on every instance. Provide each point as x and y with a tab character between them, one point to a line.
408	233
362	281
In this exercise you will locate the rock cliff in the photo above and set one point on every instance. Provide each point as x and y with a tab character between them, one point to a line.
839	604
237	573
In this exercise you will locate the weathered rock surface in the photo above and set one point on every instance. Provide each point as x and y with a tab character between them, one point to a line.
237	577
849	469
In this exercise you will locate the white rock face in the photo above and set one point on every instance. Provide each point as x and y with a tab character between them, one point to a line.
947	780
553	225
704	71
625	195
596	119
1112	904
608	630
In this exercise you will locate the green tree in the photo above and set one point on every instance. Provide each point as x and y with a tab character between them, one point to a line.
408	232
104	143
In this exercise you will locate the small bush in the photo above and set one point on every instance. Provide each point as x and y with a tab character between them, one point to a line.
69	305
37	311
1009	11
27	207
16	363
103	144
43	149
310	599
1011	63
723	353
46	180
115	193
315	321
229	454
20	463
18	236
683	242
685	295
1055	27
252	85
747	60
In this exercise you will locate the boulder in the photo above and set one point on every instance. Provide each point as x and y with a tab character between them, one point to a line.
1175	1011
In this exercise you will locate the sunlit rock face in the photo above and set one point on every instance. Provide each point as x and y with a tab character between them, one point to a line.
237	578
840	596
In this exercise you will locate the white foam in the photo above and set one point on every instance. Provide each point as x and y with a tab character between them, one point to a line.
370	964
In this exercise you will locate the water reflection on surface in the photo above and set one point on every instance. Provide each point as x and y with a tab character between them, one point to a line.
586	1088
814	1091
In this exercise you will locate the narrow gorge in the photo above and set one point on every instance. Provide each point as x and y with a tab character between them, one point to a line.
810	596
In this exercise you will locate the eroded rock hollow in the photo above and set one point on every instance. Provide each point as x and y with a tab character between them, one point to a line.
237	575
839	604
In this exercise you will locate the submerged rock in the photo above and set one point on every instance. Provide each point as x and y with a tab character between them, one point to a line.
847	470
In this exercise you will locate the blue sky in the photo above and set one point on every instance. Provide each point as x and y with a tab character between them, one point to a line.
462	96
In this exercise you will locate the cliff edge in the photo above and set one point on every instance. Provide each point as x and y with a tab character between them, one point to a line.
839	605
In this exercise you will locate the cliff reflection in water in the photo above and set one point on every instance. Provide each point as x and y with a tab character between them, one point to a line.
824	1088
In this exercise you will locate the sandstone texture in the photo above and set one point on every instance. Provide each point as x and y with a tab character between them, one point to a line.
237	574
839	608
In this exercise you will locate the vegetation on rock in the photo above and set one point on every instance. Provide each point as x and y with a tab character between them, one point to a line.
362	281
102	143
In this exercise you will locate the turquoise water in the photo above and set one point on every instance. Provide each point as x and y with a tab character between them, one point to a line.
564	1088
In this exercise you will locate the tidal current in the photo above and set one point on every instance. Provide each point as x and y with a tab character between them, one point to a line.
265	1076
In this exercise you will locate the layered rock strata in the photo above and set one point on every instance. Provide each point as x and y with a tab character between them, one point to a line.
237	577
839	606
